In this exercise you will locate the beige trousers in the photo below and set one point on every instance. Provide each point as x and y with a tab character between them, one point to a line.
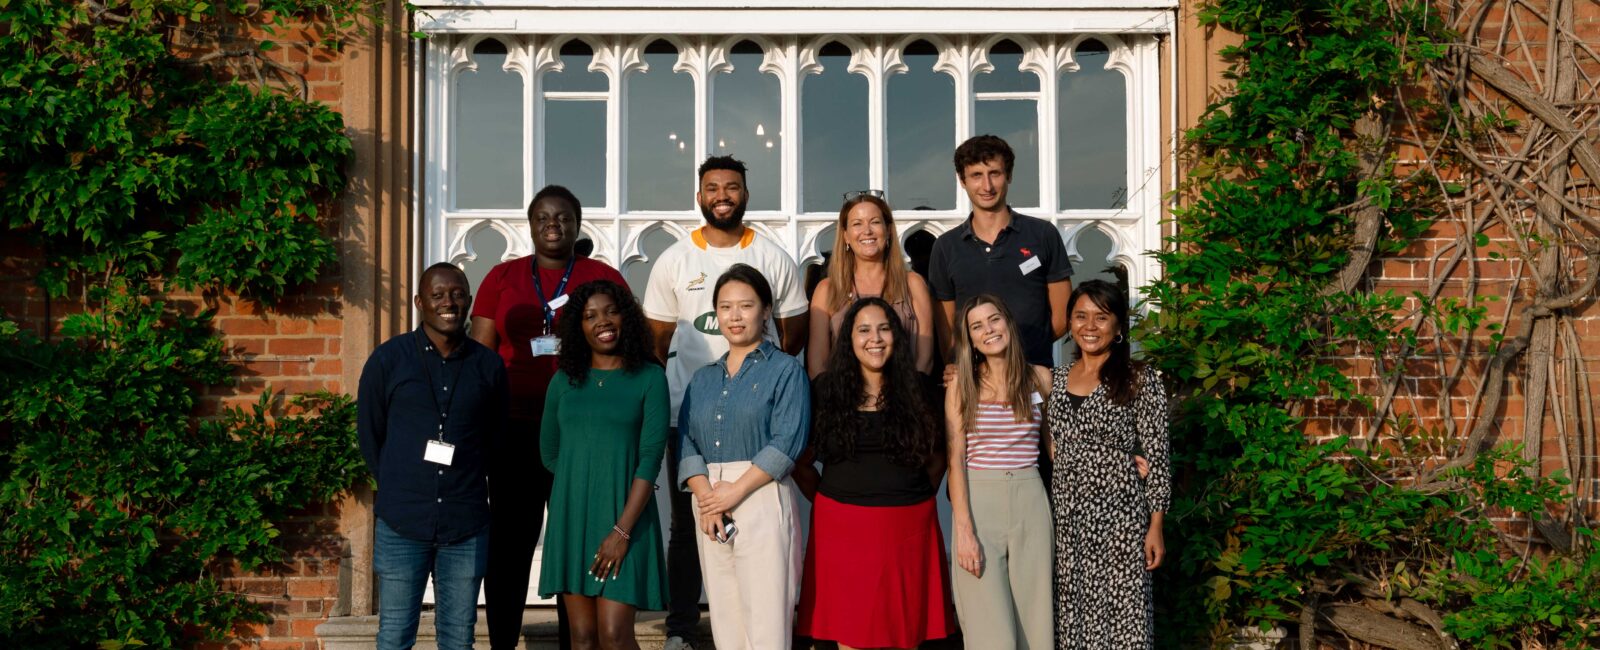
753	582
1011	606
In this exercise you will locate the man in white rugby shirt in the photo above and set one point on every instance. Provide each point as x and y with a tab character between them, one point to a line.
684	321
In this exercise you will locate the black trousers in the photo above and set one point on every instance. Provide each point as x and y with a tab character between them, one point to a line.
519	487
683	558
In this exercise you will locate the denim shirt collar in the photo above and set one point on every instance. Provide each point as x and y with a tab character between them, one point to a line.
763	351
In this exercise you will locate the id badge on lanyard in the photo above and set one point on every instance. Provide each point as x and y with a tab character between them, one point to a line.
439	452
548	344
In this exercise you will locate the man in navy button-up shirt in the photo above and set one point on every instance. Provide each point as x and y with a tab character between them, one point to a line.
429	405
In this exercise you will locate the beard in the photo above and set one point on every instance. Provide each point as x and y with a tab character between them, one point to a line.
732	222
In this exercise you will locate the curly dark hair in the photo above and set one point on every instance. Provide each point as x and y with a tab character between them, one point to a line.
913	435
722	162
980	149
633	339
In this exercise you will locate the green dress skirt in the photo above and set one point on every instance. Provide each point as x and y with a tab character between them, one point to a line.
597	438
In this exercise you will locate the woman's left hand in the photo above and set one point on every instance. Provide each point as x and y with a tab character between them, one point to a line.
608	560
1155	548
724	497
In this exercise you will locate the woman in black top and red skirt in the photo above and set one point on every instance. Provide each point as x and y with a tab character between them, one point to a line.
875	572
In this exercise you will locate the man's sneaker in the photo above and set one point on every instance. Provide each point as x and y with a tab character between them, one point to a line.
676	643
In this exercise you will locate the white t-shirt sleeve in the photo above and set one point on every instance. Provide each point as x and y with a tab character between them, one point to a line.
788	294
660	300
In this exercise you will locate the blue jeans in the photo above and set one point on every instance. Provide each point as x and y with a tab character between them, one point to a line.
403	565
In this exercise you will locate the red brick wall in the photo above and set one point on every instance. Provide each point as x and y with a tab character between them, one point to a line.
293	347
1507	278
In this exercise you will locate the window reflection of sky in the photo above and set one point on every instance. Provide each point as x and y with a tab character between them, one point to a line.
746	124
575	130
1007	76
1014	120
488	144
1017	122
921	124
1092	123
660	121
1091	170
833	126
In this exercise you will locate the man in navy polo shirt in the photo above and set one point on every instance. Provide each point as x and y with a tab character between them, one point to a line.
1019	258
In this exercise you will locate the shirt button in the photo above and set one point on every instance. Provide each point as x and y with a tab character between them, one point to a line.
447	388
718	443
439	500
719	416
441	472
724	393
987	249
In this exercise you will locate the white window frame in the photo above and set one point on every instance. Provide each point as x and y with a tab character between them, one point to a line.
618	30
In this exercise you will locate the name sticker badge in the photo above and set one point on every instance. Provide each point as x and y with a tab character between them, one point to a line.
546	345
1030	265
439	452
558	301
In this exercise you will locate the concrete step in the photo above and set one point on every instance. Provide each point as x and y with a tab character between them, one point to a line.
538	633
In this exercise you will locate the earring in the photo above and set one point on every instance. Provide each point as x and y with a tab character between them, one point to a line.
1118	339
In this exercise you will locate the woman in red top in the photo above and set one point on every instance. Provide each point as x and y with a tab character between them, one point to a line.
514	312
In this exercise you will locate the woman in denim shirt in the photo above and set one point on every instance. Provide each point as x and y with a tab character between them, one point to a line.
743	422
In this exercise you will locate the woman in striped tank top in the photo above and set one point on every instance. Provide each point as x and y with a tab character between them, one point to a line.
1000	511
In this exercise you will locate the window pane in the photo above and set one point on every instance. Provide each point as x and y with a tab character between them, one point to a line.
488	146
746	124
1094	247
575	148
660	135
921	124
1006	77
1093	126
834	132
490	246
638	273
1017	122
576	56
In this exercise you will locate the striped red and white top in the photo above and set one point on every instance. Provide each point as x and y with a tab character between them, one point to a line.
998	441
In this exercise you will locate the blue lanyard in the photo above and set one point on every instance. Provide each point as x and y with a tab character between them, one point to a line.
538	289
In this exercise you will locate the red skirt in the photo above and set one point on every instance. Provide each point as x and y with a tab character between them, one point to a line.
876	577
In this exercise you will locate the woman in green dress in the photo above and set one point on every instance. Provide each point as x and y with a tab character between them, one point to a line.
604	431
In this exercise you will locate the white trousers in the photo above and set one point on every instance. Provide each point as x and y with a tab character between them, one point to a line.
753	582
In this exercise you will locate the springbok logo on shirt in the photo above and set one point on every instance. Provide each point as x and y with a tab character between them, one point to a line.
697	284
707	323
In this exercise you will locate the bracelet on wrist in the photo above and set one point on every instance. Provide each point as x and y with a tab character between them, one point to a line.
622	532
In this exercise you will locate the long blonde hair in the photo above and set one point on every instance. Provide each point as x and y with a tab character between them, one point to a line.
1019	382
842	266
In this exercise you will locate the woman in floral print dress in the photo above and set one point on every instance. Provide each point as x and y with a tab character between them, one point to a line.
1104	410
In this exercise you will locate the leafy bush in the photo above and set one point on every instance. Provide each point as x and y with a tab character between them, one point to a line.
1253	314
133	155
118	502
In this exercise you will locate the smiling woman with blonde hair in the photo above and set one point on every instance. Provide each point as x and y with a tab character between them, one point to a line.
867	262
1000	514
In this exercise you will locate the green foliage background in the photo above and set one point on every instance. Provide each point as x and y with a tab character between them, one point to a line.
1268	525
131	169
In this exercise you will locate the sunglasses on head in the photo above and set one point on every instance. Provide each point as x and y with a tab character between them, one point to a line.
856	194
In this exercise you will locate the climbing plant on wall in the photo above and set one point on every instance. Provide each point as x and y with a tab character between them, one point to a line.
145	146
1349	133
